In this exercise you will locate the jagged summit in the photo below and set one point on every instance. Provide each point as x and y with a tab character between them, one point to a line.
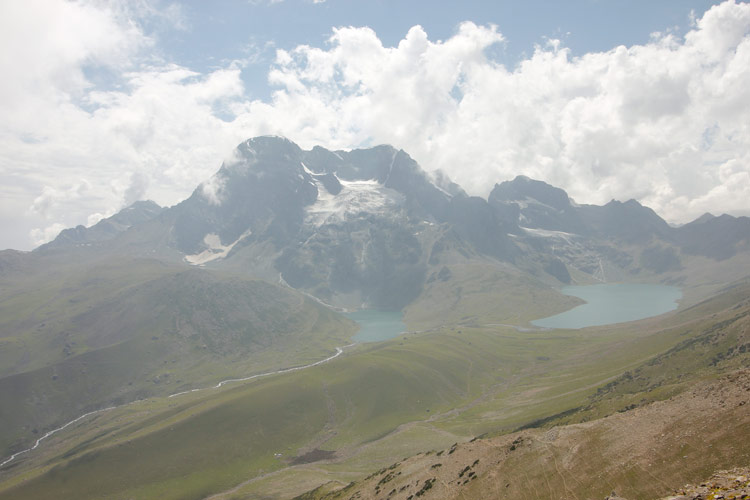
704	218
340	222
524	189
539	205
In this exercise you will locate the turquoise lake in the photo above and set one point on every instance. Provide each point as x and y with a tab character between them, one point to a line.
376	326
613	303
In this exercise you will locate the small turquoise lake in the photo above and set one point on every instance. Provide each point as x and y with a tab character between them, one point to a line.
613	303
376	326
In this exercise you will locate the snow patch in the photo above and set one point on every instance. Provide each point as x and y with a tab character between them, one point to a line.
307	170
446	193
528	201
214	249
390	169
355	197
544	233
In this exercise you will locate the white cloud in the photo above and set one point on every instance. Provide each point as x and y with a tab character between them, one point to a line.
153	130
94	218
630	122
40	236
52	197
666	122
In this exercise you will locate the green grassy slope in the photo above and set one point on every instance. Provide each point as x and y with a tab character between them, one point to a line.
715	339
698	424
678	414
213	444
88	339
552	376
375	404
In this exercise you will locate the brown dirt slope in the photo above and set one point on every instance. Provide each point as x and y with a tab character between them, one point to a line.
646	452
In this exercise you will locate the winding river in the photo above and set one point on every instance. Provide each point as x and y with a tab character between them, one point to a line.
339	351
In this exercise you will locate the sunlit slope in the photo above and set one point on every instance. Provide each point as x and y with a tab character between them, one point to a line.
119	332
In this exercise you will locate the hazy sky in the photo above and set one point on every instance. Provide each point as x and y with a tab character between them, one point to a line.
106	102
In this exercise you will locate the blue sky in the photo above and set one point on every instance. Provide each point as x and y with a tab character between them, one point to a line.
105	102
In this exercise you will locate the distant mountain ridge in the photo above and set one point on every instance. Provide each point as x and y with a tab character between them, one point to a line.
108	228
370	226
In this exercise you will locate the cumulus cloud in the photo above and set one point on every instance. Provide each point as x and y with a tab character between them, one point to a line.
52	197
152	129
213	189
665	122
44	235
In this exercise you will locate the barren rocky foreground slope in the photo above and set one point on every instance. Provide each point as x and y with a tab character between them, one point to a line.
727	484
647	452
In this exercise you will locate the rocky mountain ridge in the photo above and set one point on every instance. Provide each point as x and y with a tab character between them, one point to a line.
369	227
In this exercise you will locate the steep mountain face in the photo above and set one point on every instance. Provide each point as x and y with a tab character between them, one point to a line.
537	205
274	190
352	228
628	222
616	241
485	228
541	206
